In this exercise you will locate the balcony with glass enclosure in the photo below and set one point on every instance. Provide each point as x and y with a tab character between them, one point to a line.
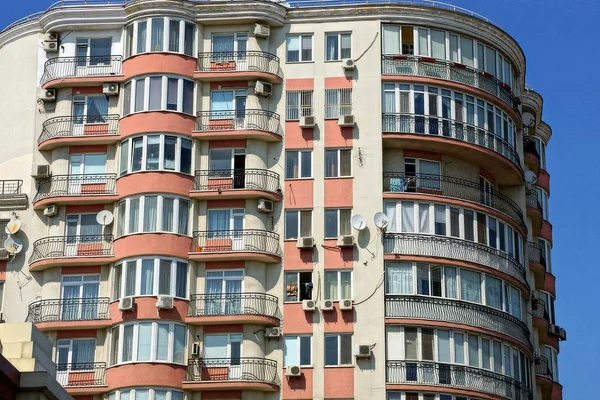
240	183
80	129
90	312
241	64
75	189
236	244
234	307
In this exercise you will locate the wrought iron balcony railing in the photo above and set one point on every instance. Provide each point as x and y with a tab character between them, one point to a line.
76	185
230	241
534	253
531	199
243	369
451	129
229	304
542	367
529	146
457	249
10	187
81	374
81	67
456	311
72	246
239	61
456	376
446	186
77	309
242	179
79	126
538	309
450	71
259	120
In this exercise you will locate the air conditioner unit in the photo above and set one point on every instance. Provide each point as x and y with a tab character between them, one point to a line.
307	121
3	253
327	305
164	302
40	171
562	334
50	37
345	241
265	206
195	350
110	89
126	303
346	120
346	304
262	31
47	95
263	89
348	64
305	242
308	305
293	370
51	210
50	46
273	333
362	351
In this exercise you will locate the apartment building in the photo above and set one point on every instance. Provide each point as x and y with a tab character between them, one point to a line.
257	200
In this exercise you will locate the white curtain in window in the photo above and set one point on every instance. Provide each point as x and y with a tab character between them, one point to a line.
215	346
399	278
515	302
222	43
184	209
408	216
83	353
140	394
162	342
332	47
389	101
470	285
130	278
233	288
390	212
134	215
179	344
423	42
160	394
466	51
89	226
443	346
218	220
391	39
450	279
173	35
214	291
150	213
493	292
167	217
424	218
144	341
331	285
438	44
97	106
89	308
157	34
147	278
127	343
70	308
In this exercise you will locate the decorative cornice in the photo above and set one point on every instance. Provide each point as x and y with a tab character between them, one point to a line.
83	17
544	131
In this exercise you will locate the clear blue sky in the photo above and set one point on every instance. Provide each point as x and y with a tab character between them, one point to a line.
560	40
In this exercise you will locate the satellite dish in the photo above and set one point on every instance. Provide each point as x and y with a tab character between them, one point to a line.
381	220
12	226
358	222
104	217
528	119
530	177
13	245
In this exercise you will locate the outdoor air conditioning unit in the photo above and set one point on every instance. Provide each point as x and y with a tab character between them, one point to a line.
110	89
363	351
126	303
348	64
327	305
39	171
50	43
345	241
307	121
265	206
50	37
262	31
273	333
3	253
305	242
263	89
164	302
346	120
562	334
195	350
51	210
293	370
346	304
308	305
47	95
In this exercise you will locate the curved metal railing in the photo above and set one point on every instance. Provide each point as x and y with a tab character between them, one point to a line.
75	185
534	253
83	67
72	246
456	311
81	374
531	199
230	241
456	376
77	309
79	126
243	369
260	120
457	249
538	309
446	186
529	146
227	304
239	61
542	367
242	179
451	129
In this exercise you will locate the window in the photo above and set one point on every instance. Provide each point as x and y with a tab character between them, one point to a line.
94	52
338	102
299	103
166	34
546	251
298	286
156	153
397	39
227	45
338	163
228	104
150	277
297	350
226	347
338	349
82	226
299	48
141	393
542	197
418	174
552	357
298	164
79	296
149	341
153	214
338	285
1	295
298	223
74	355
89	110
338	46
164	93
221	221
223	290
337	223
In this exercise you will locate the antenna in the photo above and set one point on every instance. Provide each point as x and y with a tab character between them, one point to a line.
104	217
381	220
13	226
528	119
13	245
530	178
358	222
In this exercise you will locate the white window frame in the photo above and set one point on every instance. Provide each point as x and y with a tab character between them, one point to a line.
338	278
337	221
232	153
338	102
299	353
339	41
300	37
302	109
153	342
297	280
166	37
155	277
231	338
161	154
339	349
339	162
2	290
163	97
300	164
68	344
547	250
297	211
159	219
131	393
236	37
223	278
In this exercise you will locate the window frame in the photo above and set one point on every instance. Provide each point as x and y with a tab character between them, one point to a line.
131	88
339	350
300	163
132	392
337	222
301	37
299	211
338	34
338	162
68	344
339	108
161	155
299	354
301	109
339	284
131	42
156	277
177	200
298	282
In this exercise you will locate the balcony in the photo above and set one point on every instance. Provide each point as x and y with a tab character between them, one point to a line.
66	251
543	376
11	197
534	211
425	373
426	185
242	65
245	124
457	139
449	71
69	71
245	308
76	189
449	248
57	314
245	373
82	378
537	263
532	156
236	184
243	244
457	312
79	130
539	312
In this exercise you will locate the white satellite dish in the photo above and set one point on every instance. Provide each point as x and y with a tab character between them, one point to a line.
381	220
13	245
13	226
530	177
358	222
528	119
104	217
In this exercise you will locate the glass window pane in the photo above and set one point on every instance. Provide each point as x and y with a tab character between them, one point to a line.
184	210
473	351
123	161
444	346
306	163
293	48
167	214
291	224
134	215
162	342
164	281
189	39
174	35
459	348
141	36
331	223
345	349
346	46
331	350
345	162
179	344
305	350
156	42
170	150
306	48
147	278
470	285
144	341
290	350
188	97
152	152
172	90
305	223
185	162
127	354
140	90
291	164
331	163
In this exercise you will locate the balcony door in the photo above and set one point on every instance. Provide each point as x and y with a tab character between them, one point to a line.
228	107
93	57
80	297
75	357
229	51
222	162
223	292
223	352
225	226
83	235
90	115
87	173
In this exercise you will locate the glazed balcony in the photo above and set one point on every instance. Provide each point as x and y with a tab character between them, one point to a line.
534	211
532	156
428	373
82	378
428	67
244	308
79	130
449	248
245	124
82	313
76	189
66	251
11	197
457	139
427	186
243	244
236	184
537	263
238	65
429	308
245	373
69	71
